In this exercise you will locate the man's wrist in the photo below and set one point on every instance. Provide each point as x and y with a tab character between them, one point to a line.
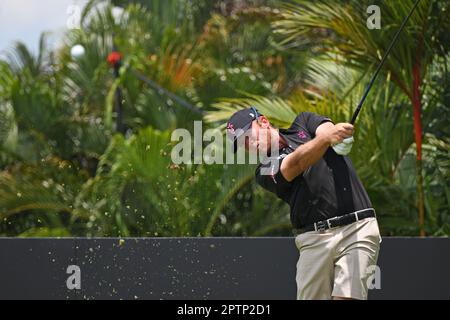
324	139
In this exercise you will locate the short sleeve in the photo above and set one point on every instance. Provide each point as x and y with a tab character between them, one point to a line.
313	121
269	177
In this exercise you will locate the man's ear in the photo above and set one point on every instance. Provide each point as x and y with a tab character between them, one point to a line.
263	122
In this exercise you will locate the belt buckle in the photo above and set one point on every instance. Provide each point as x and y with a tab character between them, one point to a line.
320	226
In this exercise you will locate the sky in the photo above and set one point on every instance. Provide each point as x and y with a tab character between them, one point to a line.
25	20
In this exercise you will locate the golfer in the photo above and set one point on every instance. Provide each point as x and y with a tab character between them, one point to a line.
335	225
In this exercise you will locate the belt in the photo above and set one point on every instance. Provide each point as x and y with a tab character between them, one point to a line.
337	221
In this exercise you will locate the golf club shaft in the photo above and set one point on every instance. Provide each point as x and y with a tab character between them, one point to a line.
358	109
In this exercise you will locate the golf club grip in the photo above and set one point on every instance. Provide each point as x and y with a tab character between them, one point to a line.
394	40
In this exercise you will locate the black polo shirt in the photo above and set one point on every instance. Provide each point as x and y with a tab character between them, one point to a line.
327	189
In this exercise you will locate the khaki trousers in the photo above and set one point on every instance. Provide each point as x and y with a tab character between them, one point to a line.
337	262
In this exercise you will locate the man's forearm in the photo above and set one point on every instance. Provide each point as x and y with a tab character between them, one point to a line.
304	156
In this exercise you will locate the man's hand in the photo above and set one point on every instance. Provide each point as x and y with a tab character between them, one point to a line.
327	134
335	134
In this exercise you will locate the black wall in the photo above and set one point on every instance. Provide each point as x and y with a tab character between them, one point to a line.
202	268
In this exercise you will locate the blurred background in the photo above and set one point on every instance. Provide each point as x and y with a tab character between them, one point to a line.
90	92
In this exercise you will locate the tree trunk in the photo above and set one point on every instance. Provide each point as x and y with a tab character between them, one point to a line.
417	105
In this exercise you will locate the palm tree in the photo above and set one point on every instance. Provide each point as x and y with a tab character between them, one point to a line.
71	173
312	24
65	172
143	192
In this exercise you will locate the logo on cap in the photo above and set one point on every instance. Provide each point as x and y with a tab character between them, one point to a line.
230	128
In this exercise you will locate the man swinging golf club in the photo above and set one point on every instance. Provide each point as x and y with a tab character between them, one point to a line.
336	230
335	225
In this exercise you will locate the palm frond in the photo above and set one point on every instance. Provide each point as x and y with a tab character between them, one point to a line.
279	111
50	188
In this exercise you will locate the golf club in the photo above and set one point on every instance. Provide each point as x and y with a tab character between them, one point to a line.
358	109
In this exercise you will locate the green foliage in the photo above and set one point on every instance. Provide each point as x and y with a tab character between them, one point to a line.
139	191
65	172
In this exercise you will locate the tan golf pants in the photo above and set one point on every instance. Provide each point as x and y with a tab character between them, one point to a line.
337	262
